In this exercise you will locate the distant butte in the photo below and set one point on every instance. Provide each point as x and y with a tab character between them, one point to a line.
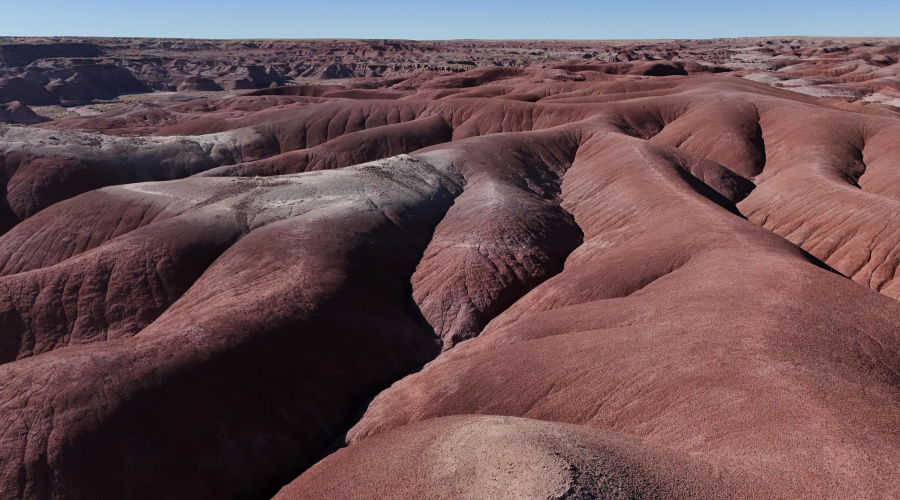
449	270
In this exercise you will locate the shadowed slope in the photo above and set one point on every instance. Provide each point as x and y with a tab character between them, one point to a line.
238	329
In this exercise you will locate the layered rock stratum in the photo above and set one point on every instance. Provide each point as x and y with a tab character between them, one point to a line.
470	270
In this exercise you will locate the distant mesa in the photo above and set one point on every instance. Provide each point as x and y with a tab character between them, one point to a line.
23	54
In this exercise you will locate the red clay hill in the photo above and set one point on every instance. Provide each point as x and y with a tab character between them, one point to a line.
461	270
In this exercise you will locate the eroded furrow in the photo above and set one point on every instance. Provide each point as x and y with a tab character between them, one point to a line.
641	334
505	234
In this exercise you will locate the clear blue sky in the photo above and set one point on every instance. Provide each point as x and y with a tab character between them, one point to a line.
428	20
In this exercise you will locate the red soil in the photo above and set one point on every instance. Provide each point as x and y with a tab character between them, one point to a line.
581	280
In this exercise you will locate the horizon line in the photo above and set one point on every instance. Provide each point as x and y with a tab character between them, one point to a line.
325	39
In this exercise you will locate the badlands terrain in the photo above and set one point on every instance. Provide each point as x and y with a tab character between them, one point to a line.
434	270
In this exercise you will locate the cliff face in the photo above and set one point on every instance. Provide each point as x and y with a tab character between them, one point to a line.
23	54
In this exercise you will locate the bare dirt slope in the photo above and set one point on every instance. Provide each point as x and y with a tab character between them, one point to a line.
638	277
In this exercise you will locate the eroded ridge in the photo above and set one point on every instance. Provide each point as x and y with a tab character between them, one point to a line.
499	283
